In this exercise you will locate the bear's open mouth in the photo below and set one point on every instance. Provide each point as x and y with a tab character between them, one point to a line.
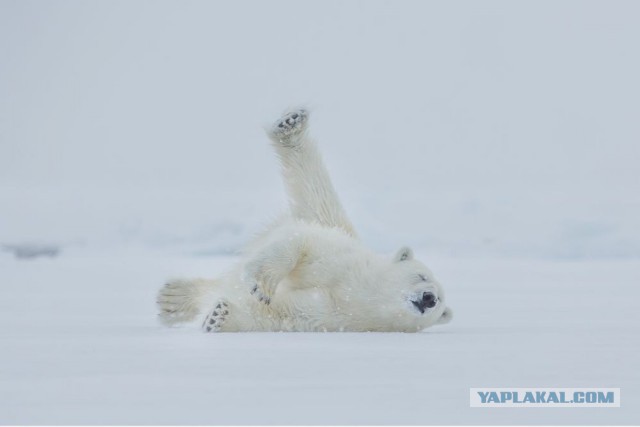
419	306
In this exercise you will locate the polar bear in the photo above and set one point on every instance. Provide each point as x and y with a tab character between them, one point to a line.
309	271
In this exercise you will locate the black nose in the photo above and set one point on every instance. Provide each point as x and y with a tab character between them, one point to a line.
429	299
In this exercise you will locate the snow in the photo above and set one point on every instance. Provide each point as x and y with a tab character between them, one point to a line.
81	345
498	139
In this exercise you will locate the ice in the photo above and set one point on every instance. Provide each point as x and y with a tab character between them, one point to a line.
80	344
32	250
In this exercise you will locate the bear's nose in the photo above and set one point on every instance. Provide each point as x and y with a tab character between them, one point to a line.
429	299
424	301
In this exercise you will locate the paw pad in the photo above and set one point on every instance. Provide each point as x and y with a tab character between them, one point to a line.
290	124
214	320
262	297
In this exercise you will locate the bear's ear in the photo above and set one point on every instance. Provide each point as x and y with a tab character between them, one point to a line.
404	254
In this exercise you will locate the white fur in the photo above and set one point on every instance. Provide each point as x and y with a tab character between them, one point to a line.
308	271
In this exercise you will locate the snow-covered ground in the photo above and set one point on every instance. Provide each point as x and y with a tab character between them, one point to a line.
498	138
80	344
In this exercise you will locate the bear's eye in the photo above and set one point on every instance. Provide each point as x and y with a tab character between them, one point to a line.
422	277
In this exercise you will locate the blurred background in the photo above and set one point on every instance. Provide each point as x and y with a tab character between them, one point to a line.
489	128
499	139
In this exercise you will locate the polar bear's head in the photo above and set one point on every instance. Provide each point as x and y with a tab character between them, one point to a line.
418	297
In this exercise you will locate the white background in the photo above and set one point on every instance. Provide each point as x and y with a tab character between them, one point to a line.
499	139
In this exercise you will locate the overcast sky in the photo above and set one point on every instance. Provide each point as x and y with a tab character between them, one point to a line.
532	103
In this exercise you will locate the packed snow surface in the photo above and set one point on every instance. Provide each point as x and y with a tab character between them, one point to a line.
80	344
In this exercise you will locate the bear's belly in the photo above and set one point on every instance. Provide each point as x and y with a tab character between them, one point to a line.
308	310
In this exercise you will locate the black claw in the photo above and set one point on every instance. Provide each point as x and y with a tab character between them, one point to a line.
208	328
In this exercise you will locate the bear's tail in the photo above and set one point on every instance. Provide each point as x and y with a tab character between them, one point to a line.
180	300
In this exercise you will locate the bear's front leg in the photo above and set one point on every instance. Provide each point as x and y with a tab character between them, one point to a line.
312	197
290	129
264	272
